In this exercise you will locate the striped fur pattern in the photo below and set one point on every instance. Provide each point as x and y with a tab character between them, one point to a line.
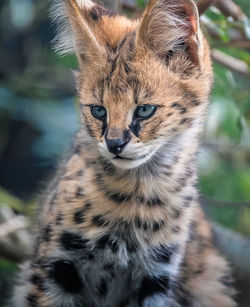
127	229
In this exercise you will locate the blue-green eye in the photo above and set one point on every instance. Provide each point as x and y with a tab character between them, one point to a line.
145	111
98	112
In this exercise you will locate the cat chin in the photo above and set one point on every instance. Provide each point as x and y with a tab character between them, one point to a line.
132	163
128	164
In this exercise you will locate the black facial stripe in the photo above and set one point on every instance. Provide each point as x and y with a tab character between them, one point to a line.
104	126
135	126
113	63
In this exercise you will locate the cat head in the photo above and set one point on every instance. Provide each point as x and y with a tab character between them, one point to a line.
142	83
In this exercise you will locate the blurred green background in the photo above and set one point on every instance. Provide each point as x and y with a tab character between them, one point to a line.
38	113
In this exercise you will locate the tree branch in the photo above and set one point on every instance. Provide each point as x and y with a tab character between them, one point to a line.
14	245
208	202
231	9
203	5
235	247
12	225
230	62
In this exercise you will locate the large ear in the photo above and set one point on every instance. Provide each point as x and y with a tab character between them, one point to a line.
168	26
75	27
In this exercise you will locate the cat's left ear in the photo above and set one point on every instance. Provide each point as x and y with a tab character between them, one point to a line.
168	26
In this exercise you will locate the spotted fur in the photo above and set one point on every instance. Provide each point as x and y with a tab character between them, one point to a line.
126	228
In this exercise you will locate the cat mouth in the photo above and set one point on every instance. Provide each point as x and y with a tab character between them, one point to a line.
128	159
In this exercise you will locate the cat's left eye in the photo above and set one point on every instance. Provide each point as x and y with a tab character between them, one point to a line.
98	112
145	111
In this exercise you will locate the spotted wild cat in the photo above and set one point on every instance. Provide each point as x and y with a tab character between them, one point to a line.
120	223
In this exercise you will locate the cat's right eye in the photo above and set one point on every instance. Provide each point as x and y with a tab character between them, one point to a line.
98	112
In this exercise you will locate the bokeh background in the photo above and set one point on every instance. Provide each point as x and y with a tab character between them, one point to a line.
39	116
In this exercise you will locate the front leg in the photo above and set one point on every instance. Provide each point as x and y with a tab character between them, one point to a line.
160	300
156	292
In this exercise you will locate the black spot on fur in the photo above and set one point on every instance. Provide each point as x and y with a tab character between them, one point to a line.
131	245
98	11
109	168
127	68
151	286
145	225
32	300
91	256
151	202
79	217
187	200
113	244
176	229
38	281
47	233
103	241
79	193
157	225
124	302
119	197
138	222
80	173
78	149
100	221
72	241
103	288
176	213
59	219
163	253
179	107
110	268
184	120
87	206
65	274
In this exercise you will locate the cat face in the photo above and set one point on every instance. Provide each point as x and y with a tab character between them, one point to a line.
142	83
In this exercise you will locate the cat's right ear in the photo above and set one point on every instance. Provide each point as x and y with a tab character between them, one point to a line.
76	27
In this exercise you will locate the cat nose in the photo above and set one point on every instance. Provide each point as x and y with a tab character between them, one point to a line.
116	146
116	139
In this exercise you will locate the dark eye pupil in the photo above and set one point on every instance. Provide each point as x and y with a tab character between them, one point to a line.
145	111
98	112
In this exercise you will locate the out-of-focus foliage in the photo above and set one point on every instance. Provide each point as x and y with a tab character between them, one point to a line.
225	156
